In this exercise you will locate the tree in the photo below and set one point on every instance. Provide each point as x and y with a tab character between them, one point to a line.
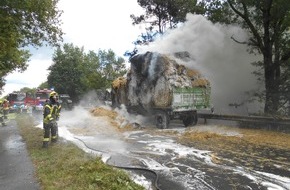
23	23
161	14
75	72
93	79
268	24
111	66
216	11
164	13
65	73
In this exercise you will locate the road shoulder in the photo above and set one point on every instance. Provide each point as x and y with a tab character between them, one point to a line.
16	168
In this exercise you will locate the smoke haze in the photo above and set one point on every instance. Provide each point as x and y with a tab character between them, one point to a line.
225	63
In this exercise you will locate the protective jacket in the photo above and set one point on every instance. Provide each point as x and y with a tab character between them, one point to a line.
50	112
6	105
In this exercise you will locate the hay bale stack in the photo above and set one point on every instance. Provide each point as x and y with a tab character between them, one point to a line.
152	78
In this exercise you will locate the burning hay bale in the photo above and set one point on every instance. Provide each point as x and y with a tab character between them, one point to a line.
119	91
157	85
151	79
119	83
191	73
200	82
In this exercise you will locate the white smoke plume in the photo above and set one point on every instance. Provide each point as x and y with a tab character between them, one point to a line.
128	118
219	58
91	99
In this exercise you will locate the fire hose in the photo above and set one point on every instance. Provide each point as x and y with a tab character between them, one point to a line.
155	184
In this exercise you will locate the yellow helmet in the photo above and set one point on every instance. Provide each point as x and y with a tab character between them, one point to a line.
53	93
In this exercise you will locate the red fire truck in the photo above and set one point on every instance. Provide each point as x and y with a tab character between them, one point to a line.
41	96
20	101
17	101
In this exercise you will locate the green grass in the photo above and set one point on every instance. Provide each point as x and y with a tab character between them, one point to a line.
64	166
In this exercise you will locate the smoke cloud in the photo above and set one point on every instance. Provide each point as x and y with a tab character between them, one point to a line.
225	63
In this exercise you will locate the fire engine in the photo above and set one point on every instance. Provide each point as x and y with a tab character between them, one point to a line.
41	96
17	101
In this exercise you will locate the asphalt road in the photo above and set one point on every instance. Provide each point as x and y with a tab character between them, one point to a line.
234	164
16	168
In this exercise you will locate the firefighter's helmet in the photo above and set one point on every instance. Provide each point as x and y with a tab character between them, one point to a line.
53	93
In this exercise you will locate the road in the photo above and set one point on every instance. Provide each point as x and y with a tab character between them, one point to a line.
177	166
16	169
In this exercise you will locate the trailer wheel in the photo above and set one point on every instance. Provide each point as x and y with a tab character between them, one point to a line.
162	120
190	119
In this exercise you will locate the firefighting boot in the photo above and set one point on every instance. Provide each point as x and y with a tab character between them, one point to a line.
45	144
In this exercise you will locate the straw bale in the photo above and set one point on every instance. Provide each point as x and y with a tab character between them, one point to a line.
162	97
119	82
192	73
100	111
200	82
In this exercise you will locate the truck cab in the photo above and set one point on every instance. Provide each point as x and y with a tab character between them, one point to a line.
65	101
41	97
17	102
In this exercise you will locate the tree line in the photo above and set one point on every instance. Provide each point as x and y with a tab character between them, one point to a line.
76	72
33	22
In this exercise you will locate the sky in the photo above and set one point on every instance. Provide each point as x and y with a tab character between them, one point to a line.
94	25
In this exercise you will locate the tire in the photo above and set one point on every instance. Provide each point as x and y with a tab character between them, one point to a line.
162	120
190	119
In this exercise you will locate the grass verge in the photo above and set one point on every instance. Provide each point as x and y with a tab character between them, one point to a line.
64	166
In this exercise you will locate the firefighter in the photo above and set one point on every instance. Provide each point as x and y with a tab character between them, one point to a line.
5	106
50	116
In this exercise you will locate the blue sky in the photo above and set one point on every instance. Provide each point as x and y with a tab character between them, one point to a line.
91	24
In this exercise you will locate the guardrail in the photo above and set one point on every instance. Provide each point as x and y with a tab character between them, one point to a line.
257	119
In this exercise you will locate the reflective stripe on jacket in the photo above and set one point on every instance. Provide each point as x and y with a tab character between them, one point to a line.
58	109
50	113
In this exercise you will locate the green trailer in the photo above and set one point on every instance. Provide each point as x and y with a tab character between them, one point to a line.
185	103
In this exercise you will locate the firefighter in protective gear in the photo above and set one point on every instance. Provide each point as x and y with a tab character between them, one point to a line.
50	115
5	108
